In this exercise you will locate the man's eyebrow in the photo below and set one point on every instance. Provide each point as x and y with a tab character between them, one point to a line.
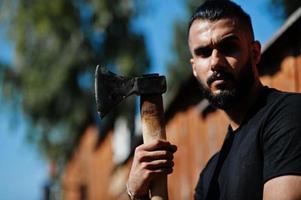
229	38
201	48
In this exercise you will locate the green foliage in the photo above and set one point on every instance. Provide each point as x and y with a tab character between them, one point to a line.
58	45
180	69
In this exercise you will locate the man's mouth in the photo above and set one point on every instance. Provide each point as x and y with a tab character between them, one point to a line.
219	78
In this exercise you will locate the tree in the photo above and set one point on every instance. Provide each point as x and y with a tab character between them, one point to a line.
180	69
58	45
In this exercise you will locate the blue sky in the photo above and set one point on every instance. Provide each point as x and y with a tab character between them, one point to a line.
158	26
22	171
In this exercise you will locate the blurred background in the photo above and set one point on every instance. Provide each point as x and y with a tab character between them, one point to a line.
54	146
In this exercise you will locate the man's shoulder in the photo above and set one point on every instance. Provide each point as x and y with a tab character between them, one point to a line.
276	98
281	93
275	109
281	136
281	115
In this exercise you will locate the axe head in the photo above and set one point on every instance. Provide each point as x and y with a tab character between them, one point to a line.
110	89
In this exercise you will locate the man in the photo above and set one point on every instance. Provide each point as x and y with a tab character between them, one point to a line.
261	155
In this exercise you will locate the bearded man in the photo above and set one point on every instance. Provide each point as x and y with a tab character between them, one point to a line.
261	154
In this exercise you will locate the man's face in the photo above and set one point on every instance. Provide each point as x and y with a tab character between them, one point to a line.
222	60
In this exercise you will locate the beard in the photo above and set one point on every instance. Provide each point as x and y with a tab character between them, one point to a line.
229	96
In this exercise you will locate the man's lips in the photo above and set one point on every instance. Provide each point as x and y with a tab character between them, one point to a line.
218	78
217	82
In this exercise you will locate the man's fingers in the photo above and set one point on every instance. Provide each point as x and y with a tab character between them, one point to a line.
147	156
157	167
159	164
161	171
158	145
157	155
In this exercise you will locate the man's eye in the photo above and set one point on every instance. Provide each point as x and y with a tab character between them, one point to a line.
228	49
203	52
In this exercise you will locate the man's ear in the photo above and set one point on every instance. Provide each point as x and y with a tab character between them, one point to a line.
256	50
193	67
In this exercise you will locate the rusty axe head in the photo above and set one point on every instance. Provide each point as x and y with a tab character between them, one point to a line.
110	89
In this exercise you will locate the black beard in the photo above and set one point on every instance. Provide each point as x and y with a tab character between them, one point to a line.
228	97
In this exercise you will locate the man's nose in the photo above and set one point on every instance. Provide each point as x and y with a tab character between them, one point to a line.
215	60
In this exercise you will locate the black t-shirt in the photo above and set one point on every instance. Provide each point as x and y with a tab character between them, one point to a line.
266	145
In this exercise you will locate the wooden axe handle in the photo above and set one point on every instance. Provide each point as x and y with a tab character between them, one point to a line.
153	127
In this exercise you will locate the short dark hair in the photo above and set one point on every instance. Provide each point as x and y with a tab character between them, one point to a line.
219	9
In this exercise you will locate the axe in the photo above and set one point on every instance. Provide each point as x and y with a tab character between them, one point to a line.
110	89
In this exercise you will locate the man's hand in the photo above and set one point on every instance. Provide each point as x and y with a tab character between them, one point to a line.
150	160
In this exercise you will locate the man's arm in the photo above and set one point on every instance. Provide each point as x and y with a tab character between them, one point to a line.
283	188
282	151
150	160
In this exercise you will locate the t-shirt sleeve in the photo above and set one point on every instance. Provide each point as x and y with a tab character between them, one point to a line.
282	139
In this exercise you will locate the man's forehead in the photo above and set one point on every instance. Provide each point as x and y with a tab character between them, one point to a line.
207	30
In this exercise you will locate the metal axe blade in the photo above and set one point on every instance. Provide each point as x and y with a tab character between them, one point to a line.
111	89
